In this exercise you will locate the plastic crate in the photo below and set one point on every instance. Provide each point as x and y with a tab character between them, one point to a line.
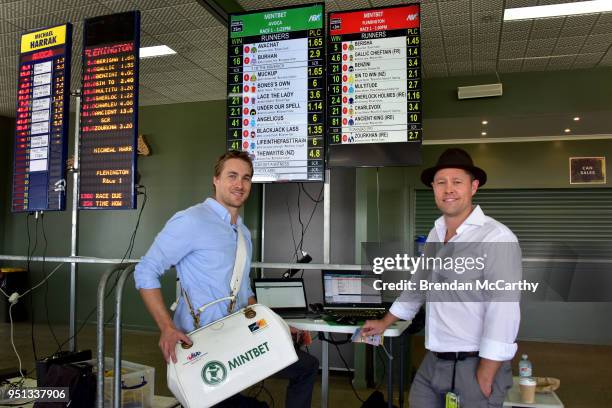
137	384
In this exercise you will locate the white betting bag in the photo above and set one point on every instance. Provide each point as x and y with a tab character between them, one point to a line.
229	355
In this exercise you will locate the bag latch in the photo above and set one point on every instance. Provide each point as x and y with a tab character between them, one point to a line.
249	313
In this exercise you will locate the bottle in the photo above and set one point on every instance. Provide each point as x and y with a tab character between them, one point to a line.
420	241
525	366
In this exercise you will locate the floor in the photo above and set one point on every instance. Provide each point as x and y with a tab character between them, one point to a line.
585	370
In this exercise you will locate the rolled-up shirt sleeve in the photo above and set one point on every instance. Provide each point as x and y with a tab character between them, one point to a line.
170	246
502	318
501	326
407	305
405	310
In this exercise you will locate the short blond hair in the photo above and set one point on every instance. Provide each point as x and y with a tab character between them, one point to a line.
231	154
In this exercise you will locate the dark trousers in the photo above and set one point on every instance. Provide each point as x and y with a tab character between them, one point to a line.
301	375
434	379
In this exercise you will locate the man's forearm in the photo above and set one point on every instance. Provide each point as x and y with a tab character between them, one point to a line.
390	318
154	302
487	369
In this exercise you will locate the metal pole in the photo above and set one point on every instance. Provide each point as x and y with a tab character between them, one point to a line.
100	338
263	226
119	295
74	232
390	375
327	218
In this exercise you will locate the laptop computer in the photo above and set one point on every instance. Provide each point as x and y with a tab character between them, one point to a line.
351	294
286	297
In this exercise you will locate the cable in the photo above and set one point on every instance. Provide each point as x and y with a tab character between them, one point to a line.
347	368
300	221
303	228
314	209
13	299
332	341
42	222
19	296
317	200
291	226
128	252
261	385
382	381
130	247
30	254
39	284
310	218
269	395
13	340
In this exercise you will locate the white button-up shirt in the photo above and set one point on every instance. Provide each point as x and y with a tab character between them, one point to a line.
487	327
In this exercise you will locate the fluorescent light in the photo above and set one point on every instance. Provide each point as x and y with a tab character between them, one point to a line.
556	10
156	51
483	133
576	118
484	122
567	130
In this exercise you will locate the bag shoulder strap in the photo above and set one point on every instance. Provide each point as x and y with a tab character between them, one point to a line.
238	273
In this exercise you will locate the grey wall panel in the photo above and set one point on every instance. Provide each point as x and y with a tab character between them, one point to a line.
281	214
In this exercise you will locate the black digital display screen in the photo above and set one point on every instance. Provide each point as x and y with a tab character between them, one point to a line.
109	112
41	130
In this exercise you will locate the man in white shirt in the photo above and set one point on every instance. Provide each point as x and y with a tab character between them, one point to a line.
470	339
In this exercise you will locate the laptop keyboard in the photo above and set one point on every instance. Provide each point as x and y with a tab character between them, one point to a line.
357	315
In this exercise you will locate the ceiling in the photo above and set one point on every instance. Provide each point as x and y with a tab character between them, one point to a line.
459	37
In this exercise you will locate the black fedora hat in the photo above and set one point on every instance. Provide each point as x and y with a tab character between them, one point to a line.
454	158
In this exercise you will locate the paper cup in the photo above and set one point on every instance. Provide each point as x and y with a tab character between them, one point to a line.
527	385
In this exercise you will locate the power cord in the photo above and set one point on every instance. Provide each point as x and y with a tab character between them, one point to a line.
262	387
42	223
13	299
269	395
345	365
382	381
305	228
298	247
28	260
314	200
128	253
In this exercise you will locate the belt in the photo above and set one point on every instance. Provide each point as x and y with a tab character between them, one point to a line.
456	356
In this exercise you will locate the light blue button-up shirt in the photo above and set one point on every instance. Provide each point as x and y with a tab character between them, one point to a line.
201	242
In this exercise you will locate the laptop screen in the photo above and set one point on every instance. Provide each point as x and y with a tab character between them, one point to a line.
342	288
281	293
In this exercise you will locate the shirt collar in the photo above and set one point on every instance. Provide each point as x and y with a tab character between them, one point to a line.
476	218
221	211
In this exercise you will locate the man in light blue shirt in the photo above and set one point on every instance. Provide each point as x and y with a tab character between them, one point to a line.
201	242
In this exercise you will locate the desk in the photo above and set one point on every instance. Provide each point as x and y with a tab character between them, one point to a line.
317	325
542	400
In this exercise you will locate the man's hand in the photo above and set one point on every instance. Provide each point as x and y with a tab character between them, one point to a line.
168	340
170	336
372	327
485	375
485	383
